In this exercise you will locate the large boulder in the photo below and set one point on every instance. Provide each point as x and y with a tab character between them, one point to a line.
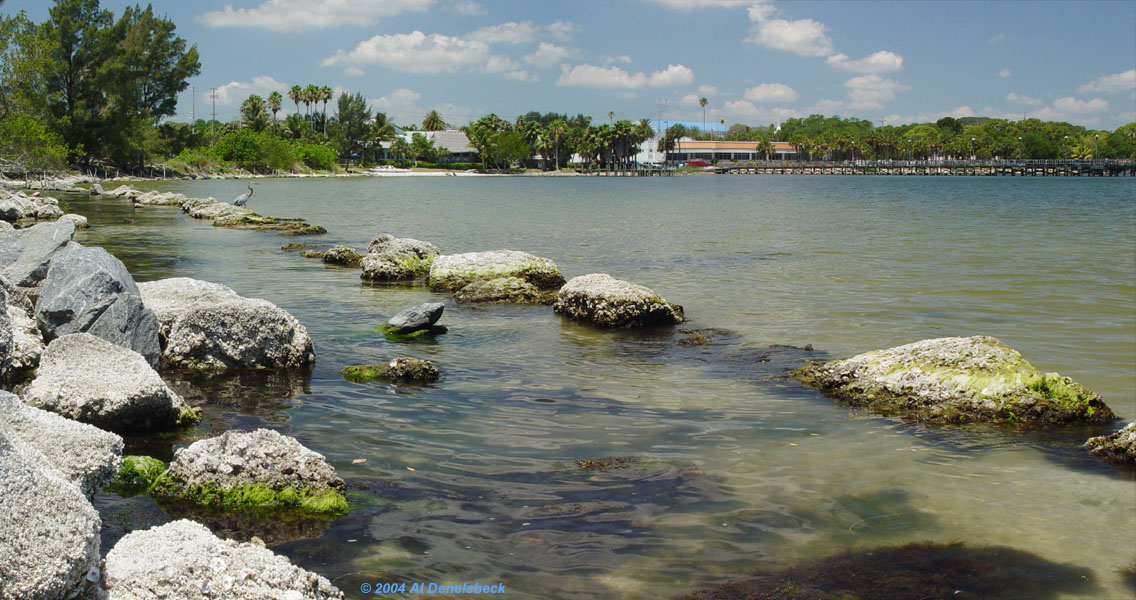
512	290
393	259
91	380
86	455
451	272
1120	446
385	243
26	253
26	341
209	326
49	532
89	290
603	300
183	560
403	369
956	380
415	318
15	206
342	255
257	469
156	198
6	370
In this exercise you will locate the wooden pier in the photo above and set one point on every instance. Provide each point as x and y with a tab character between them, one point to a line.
964	168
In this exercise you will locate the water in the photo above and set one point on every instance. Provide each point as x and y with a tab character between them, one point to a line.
474	478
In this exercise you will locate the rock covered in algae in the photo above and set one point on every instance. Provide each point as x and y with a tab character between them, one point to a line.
451	272
394	259
605	301
183	560
256	469
208	326
513	290
401	369
91	380
343	256
956	380
1120	446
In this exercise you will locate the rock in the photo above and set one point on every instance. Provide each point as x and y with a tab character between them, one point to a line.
124	191
79	221
342	255
89	290
87	456
156	198
6	226
416	318
1120	446
182	560
208	326
956	380
15	206
450	272
6	370
504	289
49	532
401	369
91	380
224	214
258	469
603	300
26	342
383	267
95	189
385	243
297	246
312	254
26	253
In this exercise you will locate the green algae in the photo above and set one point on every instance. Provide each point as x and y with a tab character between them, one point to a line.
391	333
251	496
136	475
539	274
188	417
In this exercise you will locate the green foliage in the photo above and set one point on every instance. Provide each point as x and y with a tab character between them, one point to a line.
255	151
136	475
354	118
254	113
316	156
28	142
251	496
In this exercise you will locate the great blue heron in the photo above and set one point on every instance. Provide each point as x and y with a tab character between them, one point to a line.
240	201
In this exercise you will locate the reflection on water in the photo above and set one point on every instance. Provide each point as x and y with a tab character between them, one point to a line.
474	478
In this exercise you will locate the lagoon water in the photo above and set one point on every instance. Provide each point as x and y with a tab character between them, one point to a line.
475	478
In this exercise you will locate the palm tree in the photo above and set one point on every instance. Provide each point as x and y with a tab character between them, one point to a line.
325	94
274	100
382	130
703	102
296	95
555	133
765	147
311	96
610	116
433	121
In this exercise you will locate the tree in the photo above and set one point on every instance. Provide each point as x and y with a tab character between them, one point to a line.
421	148
254	113
703	102
354	121
433	122
556	132
274	100
324	95
296	95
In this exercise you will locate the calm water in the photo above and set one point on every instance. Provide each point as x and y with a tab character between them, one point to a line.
474	478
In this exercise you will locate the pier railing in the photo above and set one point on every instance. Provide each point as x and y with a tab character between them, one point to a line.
1006	167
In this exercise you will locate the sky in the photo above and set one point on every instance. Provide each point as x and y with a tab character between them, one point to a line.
754	62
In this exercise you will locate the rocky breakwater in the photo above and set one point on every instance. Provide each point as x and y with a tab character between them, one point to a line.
1119	447
259	469
397	259
182	560
208	326
603	300
224	214
956	380
90	380
18	206
26	253
496	276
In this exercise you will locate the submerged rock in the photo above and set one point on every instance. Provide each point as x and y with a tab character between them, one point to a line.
86	455
451	272
49	532
182	560
415	318
401	369
224	214
1120	446
603	300
342	255
956	380
513	290
26	253
89	290
88	379
258	469
394	259
209	326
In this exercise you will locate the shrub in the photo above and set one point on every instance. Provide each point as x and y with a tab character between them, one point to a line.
315	156
255	151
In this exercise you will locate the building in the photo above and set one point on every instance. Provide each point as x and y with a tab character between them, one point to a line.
453	140
687	149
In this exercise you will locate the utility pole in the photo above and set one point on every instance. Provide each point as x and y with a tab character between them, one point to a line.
213	122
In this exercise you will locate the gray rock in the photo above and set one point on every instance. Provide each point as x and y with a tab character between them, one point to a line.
89	290
450	272
6	226
208	208
27	343
18	205
956	380
86	455
49	532
91	380
26	253
504	289
342	255
95	189
182	560
603	300
124	191
208	326
236	459
6	370
394	259
1120	446
401	369
417	317
381	267
156	198
79	221
385	243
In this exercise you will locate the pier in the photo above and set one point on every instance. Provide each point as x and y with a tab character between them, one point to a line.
962	168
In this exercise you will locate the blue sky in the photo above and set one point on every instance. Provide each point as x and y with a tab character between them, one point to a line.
888	62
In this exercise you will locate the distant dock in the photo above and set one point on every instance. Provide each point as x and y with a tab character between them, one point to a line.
962	168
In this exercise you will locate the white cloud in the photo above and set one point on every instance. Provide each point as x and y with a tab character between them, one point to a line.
1004	73
883	61
693	4
689	100
354	71
417	52
235	92
929	117
467	7
505	33
1117	82
871	91
771	92
301	15
549	55
1022	99
707	90
1072	105
805	37
402	107
560	31
616	78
